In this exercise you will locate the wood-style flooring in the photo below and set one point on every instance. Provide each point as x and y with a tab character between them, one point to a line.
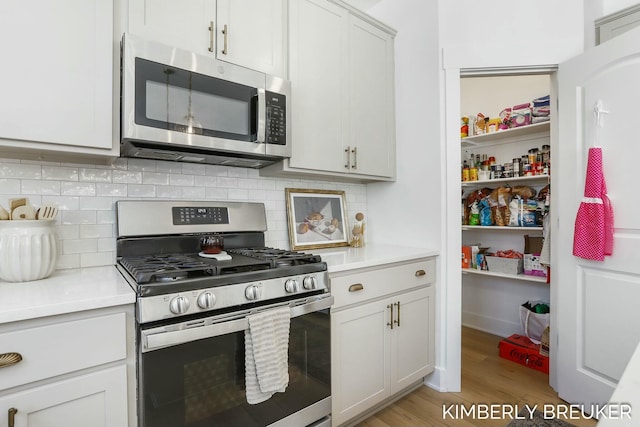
486	379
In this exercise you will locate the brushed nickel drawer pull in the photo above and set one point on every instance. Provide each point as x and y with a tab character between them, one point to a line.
12	417
210	36
390	323
225	31
355	288
355	158
420	273
9	359
398	315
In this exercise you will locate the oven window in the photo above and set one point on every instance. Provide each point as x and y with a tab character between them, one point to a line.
202	383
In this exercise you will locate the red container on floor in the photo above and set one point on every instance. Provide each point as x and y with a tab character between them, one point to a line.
520	349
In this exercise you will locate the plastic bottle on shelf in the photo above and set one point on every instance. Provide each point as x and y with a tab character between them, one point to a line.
465	172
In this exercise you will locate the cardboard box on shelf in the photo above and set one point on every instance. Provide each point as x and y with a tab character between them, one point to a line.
532	249
520	349
466	257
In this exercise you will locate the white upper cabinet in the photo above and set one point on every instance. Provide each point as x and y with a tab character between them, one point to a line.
56	85
371	99
341	65
250	33
318	49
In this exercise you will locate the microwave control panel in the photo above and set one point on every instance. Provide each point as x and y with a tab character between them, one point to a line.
276	118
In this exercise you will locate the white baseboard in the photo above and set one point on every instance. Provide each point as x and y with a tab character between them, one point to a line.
499	327
435	380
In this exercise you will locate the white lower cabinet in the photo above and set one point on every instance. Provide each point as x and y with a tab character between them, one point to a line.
93	400
382	336
74	370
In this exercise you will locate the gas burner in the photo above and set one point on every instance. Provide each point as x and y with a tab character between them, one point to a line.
165	268
278	257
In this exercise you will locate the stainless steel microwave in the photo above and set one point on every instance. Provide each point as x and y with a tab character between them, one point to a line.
178	105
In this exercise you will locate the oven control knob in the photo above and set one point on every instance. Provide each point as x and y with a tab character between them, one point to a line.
291	286
179	305
309	283
206	300
253	292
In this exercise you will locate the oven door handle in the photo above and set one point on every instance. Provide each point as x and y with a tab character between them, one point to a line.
157	338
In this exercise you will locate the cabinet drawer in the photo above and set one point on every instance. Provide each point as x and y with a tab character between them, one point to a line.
370	284
60	348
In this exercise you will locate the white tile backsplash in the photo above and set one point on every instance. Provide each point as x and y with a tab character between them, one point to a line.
86	196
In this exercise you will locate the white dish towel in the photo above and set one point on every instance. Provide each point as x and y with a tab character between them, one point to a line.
267	354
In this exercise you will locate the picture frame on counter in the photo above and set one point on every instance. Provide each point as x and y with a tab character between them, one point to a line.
316	218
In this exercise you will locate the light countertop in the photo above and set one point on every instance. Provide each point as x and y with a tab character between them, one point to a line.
65	291
371	255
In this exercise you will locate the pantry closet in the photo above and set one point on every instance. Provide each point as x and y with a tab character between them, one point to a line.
491	299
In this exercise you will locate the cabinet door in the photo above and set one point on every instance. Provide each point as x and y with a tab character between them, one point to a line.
359	359
318	63
412	352
371	99
250	33
183	24
57	74
98	399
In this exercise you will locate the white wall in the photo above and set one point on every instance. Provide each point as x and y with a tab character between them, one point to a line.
86	193
513	34
502	33
408	210
613	6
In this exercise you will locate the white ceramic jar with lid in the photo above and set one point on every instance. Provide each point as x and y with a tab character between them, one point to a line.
28	249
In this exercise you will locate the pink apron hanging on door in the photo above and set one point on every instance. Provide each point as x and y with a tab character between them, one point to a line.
593	233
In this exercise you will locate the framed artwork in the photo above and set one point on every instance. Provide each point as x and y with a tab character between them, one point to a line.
316	218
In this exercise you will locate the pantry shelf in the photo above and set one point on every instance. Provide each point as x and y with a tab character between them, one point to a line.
508	135
523	277
521	179
499	228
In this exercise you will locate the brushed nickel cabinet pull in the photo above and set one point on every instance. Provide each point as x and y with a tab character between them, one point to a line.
211	36
12	417
225	31
398	314
420	273
348	151
390	324
355	288
355	158
9	359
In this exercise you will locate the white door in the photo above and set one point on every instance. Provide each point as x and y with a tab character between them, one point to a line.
411	349
596	314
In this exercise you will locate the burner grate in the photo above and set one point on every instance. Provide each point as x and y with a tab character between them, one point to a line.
165	268
278	257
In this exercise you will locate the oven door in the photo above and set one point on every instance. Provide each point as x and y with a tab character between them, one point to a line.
193	374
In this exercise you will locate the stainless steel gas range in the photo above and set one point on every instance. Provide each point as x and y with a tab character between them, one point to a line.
193	308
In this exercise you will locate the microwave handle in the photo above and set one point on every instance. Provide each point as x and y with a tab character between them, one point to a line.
262	115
